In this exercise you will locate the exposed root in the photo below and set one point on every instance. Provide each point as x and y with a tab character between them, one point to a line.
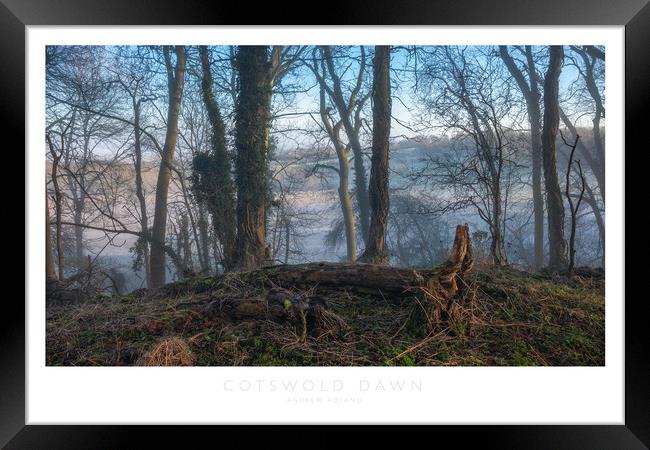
438	300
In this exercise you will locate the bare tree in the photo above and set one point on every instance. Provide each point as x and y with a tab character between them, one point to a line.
349	111
589	93
224	140
175	79
58	194
376	251
573	209
133	79
593	198
555	206
466	91
528	86
588	67
343	155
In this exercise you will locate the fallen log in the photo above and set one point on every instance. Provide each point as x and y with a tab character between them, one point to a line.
298	293
359	277
373	278
433	292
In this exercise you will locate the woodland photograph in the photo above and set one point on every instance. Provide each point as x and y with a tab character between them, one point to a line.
356	205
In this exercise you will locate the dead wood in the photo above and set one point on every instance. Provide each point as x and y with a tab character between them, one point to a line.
373	278
306	312
294	294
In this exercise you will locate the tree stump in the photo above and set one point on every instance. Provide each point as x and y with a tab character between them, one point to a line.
438	302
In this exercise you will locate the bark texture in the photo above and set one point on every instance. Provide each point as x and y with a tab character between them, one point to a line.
252	116
175	84
376	251
554	202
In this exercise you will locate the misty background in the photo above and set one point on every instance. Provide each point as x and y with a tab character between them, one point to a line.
437	177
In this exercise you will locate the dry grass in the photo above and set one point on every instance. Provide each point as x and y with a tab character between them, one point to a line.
172	351
504	317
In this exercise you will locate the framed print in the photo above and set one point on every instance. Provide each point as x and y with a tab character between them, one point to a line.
392	215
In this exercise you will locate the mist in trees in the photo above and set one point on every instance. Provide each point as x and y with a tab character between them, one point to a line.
171	161
555	205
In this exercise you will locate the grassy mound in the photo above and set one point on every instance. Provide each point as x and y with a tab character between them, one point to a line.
508	318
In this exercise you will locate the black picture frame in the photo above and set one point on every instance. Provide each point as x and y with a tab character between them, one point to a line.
15	15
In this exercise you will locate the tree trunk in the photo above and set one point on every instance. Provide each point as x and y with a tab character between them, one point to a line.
353	137
217	253
78	204
49	263
212	172
139	191
252	118
347	210
342	153
190	215
188	265
361	192
555	205
573	210
596	164
531	95
178	262
535	117
360	277
175	79
56	158
287	232
538	197
592	88
204	241
78	235
497	247
600	222
375	251
599	172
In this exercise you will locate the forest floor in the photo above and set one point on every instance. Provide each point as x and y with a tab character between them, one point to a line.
508	318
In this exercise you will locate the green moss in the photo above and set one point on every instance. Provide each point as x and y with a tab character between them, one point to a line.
443	352
472	360
520	359
516	319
